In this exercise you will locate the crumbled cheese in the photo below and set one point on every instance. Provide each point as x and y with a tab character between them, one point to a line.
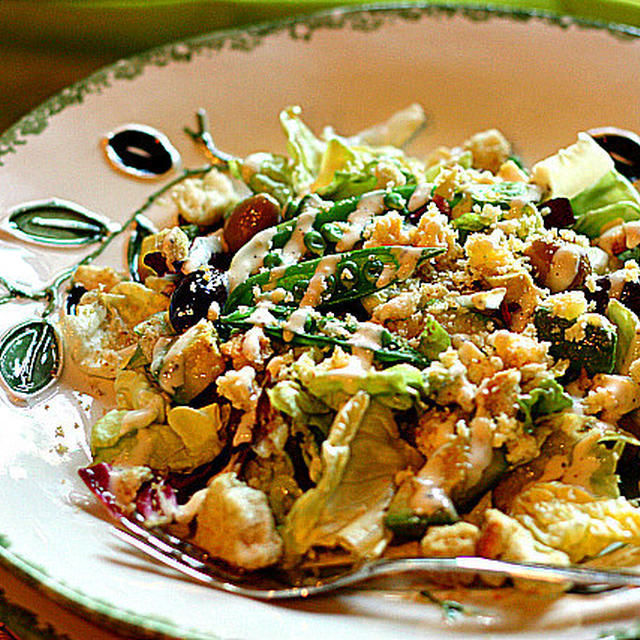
388	229
242	390
516	350
490	149
203	201
388	175
488	254
504	538
449	541
612	396
235	524
568	305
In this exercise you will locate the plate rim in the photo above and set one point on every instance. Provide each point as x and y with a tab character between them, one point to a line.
243	37
253	35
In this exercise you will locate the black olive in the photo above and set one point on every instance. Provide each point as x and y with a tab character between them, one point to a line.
73	298
630	296
560	214
192	298
624	148
600	295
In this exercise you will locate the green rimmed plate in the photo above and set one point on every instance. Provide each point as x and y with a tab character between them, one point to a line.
539	79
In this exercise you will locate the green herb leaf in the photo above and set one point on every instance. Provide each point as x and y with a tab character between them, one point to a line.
325	330
333	279
30	357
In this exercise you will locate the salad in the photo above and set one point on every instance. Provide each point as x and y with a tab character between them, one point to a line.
349	350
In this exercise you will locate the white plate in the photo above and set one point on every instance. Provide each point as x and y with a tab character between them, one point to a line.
540	80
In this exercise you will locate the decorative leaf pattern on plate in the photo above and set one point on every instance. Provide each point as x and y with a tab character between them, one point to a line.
30	357
143	228
58	222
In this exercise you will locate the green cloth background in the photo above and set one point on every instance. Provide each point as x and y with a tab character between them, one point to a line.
46	45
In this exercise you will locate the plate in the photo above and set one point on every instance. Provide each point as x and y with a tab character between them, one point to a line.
540	79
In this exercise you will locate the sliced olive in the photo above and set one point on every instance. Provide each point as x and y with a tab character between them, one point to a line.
250	216
192	298
623	146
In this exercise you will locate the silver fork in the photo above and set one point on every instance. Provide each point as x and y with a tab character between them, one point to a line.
191	562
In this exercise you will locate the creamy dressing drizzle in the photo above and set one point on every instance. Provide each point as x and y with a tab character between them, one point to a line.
317	284
369	206
406	259
295	323
262	315
295	247
367	336
480	450
250	257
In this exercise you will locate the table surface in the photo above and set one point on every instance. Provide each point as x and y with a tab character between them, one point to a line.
43	54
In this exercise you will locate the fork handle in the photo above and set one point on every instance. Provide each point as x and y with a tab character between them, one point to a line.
473	565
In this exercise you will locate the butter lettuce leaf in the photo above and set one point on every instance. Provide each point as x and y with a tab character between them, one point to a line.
398	387
570	519
612	197
142	431
360	459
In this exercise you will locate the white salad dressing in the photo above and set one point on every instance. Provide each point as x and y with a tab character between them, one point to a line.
295	323
406	259
262	316
480	450
368	336
317	284
295	247
250	257
369	206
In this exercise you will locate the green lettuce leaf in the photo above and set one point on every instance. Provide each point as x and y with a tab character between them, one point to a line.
613	197
304	149
360	457
548	397
136	434
289	397
398	387
628	329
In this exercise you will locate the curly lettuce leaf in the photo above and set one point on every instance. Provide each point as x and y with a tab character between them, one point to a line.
290	398
548	397
304	148
337	167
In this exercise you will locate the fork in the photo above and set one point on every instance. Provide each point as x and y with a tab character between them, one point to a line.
193	563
